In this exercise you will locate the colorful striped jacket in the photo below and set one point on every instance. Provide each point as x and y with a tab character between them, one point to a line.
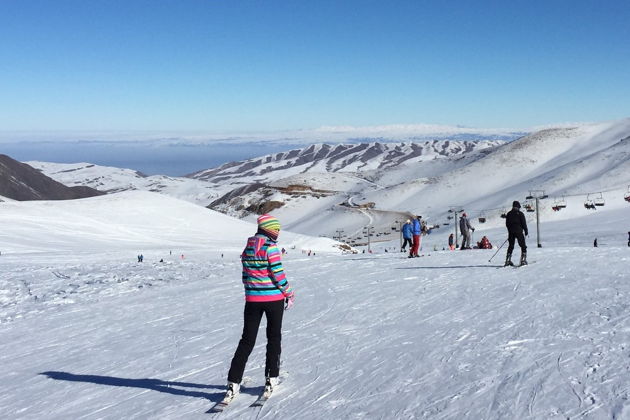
263	276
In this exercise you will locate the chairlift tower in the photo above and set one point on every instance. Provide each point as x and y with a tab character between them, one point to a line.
368	231
339	234
456	210
537	195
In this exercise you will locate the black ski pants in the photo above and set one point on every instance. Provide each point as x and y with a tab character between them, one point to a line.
521	242
406	241
251	321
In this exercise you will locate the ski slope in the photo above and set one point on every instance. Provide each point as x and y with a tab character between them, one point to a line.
86	332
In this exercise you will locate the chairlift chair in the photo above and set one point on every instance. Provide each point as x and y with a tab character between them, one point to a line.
599	200
589	204
559	204
627	195
529	206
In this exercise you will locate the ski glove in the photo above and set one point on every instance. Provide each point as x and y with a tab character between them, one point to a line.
289	301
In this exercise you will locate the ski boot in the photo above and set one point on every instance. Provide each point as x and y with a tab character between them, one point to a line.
508	260
523	258
233	390
269	384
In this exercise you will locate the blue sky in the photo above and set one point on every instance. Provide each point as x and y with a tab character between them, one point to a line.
272	65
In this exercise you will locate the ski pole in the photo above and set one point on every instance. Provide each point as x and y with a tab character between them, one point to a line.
497	251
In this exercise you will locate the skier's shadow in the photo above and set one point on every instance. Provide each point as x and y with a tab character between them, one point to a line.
169	387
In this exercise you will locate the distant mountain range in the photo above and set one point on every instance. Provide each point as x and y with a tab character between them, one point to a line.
324	188
21	182
327	158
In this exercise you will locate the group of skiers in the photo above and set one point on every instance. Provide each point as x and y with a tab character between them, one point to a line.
412	232
516	226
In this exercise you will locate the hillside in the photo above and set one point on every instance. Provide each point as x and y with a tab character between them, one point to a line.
128	222
111	180
569	164
326	158
21	182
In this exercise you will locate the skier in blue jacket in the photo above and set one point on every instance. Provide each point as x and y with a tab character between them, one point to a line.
407	232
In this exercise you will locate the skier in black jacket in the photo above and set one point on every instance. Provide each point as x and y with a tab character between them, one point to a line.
516	226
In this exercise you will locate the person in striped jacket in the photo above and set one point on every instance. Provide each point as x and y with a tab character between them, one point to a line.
267	292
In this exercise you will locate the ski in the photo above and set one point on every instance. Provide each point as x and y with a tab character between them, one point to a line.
266	394
220	406
262	399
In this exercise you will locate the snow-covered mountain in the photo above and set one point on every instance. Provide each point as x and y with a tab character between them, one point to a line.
209	185
326	158
571	164
111	179
323	188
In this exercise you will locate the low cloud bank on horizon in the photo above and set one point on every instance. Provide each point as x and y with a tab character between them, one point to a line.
324	134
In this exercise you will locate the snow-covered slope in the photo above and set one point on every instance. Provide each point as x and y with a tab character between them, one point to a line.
128	222
562	162
86	333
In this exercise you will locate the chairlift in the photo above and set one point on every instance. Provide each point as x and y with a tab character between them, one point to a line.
529	206
589	204
627	195
599	200
482	218
559	204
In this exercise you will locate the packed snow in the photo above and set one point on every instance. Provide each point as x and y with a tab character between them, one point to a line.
87	331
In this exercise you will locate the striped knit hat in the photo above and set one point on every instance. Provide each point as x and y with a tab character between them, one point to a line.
269	225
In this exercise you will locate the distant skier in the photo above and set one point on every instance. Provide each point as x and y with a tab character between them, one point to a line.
628	238
595	243
407	233
465	227
451	242
416	231
516	226
266	292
